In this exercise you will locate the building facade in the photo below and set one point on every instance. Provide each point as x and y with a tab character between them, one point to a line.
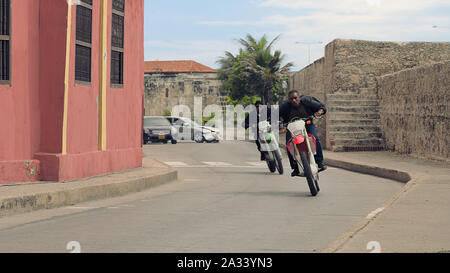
171	83
71	90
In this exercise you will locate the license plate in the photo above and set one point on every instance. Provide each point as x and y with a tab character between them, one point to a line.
162	137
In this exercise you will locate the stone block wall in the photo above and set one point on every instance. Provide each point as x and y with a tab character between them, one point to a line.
415	110
164	91
358	63
311	81
349	73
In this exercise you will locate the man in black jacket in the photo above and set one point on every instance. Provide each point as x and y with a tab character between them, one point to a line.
303	106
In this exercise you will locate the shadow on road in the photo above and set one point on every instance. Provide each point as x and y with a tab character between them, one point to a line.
272	193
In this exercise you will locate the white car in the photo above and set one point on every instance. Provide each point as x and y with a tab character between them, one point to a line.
191	130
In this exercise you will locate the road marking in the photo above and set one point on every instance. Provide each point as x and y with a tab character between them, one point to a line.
257	164
81	207
374	213
176	164
218	164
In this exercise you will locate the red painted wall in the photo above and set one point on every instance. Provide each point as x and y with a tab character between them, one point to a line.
19	101
52	31
126	119
31	109
82	119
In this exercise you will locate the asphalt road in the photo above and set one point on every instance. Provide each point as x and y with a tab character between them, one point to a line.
225	200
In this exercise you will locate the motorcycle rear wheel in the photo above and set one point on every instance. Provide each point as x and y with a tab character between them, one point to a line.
308	174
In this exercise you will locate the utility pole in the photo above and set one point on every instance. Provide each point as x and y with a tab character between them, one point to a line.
309	48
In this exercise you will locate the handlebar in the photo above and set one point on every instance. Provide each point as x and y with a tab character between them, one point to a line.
304	119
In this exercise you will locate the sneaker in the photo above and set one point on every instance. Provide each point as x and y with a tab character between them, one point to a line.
322	167
295	173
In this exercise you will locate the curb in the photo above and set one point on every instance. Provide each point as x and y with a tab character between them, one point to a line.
392	174
60	198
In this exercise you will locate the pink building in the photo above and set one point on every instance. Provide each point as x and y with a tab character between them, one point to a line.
71	88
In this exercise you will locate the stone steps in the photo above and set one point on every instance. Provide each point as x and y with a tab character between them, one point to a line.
354	122
338	115
338	103
359	135
358	142
354	128
338	96
353	109
350	148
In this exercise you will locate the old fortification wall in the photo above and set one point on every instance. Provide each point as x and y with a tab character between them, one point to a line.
349	73
311	81
415	110
358	63
164	91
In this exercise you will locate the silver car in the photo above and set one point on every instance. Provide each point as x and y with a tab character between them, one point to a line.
191	130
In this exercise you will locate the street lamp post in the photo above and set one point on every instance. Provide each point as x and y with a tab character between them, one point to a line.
309	48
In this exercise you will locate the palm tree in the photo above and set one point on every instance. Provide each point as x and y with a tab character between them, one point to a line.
265	67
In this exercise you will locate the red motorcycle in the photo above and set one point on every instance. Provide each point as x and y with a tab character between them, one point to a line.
302	147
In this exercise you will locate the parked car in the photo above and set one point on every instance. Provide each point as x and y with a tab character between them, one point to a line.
191	130
159	129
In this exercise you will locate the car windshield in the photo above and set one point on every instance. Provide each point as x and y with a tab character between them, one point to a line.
156	122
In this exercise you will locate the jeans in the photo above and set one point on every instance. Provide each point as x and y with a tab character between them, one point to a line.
311	129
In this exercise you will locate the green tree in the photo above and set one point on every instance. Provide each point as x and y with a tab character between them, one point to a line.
255	71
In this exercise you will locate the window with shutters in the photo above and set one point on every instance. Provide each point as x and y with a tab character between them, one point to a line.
117	42
5	39
83	43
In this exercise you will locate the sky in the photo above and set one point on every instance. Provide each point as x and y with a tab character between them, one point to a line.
202	30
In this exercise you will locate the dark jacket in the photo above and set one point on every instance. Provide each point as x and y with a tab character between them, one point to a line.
261	117
311	105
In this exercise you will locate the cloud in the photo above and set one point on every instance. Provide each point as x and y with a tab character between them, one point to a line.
353	5
309	21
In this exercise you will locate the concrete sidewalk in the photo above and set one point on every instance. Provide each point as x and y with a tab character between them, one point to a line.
415	219
27	197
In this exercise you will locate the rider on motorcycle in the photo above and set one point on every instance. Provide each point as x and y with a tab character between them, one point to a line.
303	106
262	114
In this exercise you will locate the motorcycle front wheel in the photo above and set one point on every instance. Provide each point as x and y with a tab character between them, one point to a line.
308	174
271	164
278	161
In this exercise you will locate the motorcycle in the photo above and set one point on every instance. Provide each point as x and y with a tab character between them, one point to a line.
302	147
270	147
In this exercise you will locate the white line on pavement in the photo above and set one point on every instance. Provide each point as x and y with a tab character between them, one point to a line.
217	164
374	213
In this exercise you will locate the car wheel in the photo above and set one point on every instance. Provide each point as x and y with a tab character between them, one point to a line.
174	141
198	138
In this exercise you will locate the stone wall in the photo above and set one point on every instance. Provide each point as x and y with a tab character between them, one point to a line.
180	88
310	81
349	72
358	63
415	110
